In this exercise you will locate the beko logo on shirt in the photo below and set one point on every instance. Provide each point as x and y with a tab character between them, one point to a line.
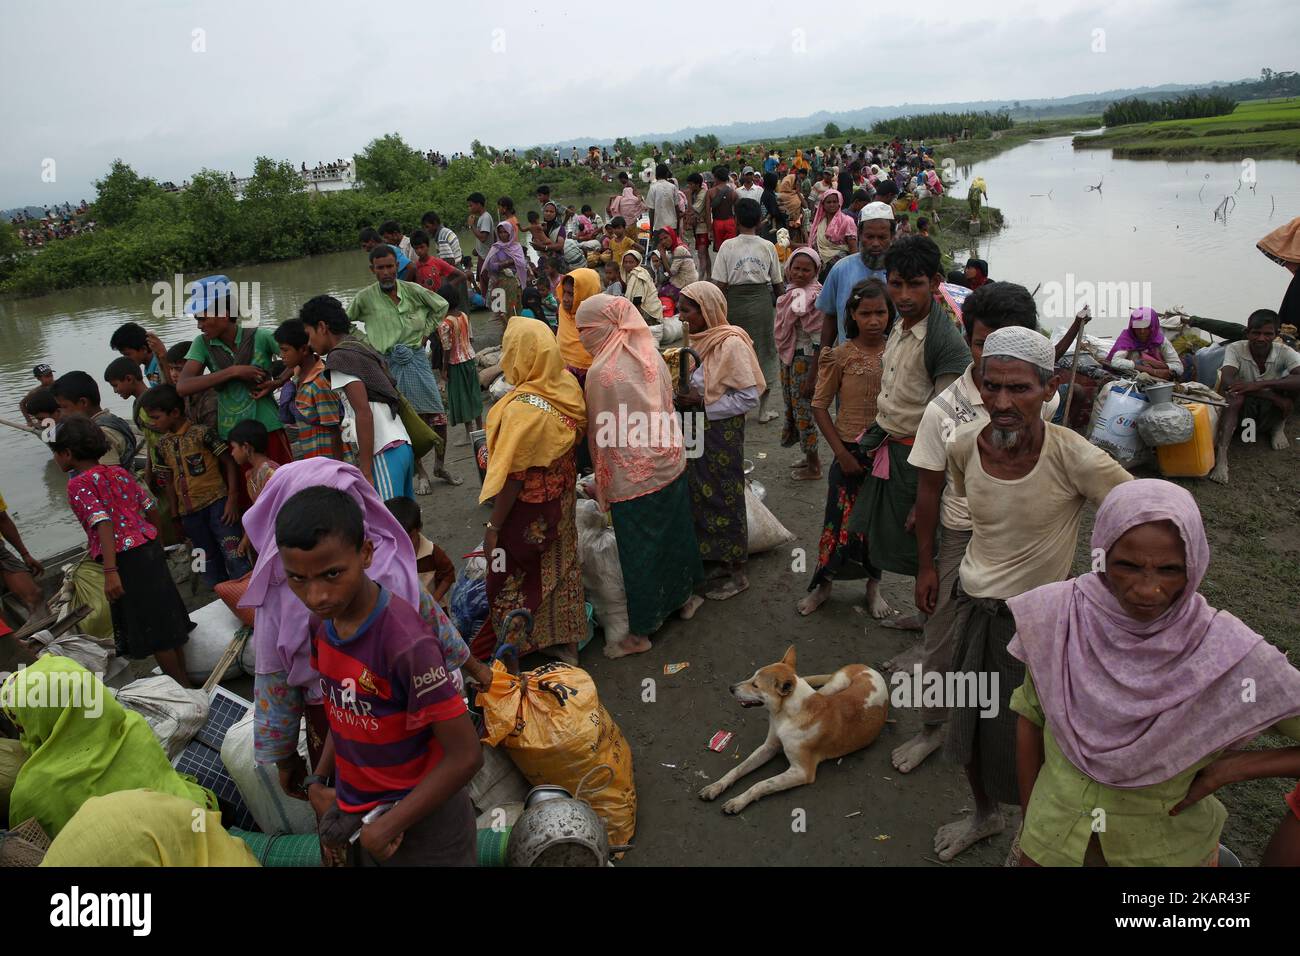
103	909
431	679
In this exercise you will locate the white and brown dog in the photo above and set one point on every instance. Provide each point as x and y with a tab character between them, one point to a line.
812	719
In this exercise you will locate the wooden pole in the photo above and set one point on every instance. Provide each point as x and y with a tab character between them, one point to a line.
1074	365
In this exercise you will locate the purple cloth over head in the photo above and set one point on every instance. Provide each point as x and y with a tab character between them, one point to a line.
280	636
509	253
1135	703
1128	340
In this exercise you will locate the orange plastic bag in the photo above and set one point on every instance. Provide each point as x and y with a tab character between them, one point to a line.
553	726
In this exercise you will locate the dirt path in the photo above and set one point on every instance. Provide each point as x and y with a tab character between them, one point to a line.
669	719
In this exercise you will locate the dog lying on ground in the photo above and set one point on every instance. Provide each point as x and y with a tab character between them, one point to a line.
812	719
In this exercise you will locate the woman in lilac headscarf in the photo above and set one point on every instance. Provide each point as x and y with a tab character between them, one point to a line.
1143	343
505	267
1138	696
286	687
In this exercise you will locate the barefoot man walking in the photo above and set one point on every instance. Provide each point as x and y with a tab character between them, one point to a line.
1025	483
994	306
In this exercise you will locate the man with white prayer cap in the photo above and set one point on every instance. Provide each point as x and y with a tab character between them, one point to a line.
875	233
1025	482
942	518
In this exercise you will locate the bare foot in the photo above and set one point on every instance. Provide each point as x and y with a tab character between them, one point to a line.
954	838
808	473
906	659
422	486
687	610
815	600
1279	440
914	622
877	606
1220	472
632	644
448	477
907	757
736	585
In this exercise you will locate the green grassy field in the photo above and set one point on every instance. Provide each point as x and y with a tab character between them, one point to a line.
1256	128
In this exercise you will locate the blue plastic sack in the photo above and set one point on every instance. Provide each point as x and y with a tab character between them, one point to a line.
469	601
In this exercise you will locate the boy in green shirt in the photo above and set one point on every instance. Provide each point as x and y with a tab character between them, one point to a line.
236	362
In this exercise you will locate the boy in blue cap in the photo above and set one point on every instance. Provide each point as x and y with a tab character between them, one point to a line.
236	362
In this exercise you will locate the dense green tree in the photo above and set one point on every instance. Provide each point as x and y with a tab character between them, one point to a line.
119	193
1192	106
212	211
931	125
831	131
273	211
388	164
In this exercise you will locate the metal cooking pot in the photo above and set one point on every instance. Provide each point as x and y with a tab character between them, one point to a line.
557	830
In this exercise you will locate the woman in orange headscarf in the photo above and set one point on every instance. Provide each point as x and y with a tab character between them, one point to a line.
636	446
575	288
726	385
531	435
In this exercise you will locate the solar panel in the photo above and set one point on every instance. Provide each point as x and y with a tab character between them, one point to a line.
225	710
202	756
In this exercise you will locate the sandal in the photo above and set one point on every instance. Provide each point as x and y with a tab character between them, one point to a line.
804	473
729	590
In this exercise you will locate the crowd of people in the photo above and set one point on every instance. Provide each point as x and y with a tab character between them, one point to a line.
293	457
334	170
59	222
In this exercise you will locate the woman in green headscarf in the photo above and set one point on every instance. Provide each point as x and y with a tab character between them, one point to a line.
80	743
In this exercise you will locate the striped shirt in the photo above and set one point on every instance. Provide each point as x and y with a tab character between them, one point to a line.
449	246
384	688
318	415
457	338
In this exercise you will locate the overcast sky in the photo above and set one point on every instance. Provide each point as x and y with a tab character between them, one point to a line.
89	81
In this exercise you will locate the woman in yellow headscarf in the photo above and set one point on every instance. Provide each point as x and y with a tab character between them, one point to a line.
531	434
575	288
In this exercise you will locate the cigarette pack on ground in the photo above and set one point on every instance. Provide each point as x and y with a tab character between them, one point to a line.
718	742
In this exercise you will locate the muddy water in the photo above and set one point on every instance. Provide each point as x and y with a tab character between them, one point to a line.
1150	232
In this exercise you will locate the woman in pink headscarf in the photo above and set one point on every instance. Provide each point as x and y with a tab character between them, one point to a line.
1138	696
286	687
639	457
834	233
1143	343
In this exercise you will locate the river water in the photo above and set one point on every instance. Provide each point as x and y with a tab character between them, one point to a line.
1151	228
1072	242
